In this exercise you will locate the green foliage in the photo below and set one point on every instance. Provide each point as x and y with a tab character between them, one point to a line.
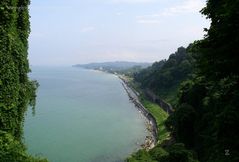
174	153
130	71
184	119
158	153
164	77
218	52
13	151
160	115
178	153
141	156
163	134
16	91
206	118
14	65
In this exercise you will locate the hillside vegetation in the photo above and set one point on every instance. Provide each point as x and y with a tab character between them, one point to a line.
204	125
164	77
16	90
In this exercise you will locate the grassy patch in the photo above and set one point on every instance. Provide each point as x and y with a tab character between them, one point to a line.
160	116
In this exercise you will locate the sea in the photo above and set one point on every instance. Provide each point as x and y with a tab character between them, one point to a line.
82	116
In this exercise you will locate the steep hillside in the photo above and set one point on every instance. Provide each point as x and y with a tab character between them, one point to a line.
16	90
204	126
164	77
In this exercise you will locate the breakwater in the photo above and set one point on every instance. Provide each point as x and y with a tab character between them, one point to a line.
150	142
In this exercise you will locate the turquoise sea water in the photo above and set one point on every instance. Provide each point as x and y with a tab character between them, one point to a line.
82	116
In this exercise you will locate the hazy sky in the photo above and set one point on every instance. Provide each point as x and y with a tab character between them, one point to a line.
66	32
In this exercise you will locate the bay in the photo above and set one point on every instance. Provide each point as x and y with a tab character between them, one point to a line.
82	116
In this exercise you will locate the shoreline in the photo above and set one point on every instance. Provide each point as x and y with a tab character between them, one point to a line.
150	141
151	124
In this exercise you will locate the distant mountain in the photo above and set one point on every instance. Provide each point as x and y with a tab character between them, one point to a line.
113	66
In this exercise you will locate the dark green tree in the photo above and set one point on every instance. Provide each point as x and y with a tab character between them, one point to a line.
213	93
206	116
164	77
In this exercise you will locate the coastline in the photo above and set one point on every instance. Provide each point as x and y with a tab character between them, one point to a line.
151	123
150	141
